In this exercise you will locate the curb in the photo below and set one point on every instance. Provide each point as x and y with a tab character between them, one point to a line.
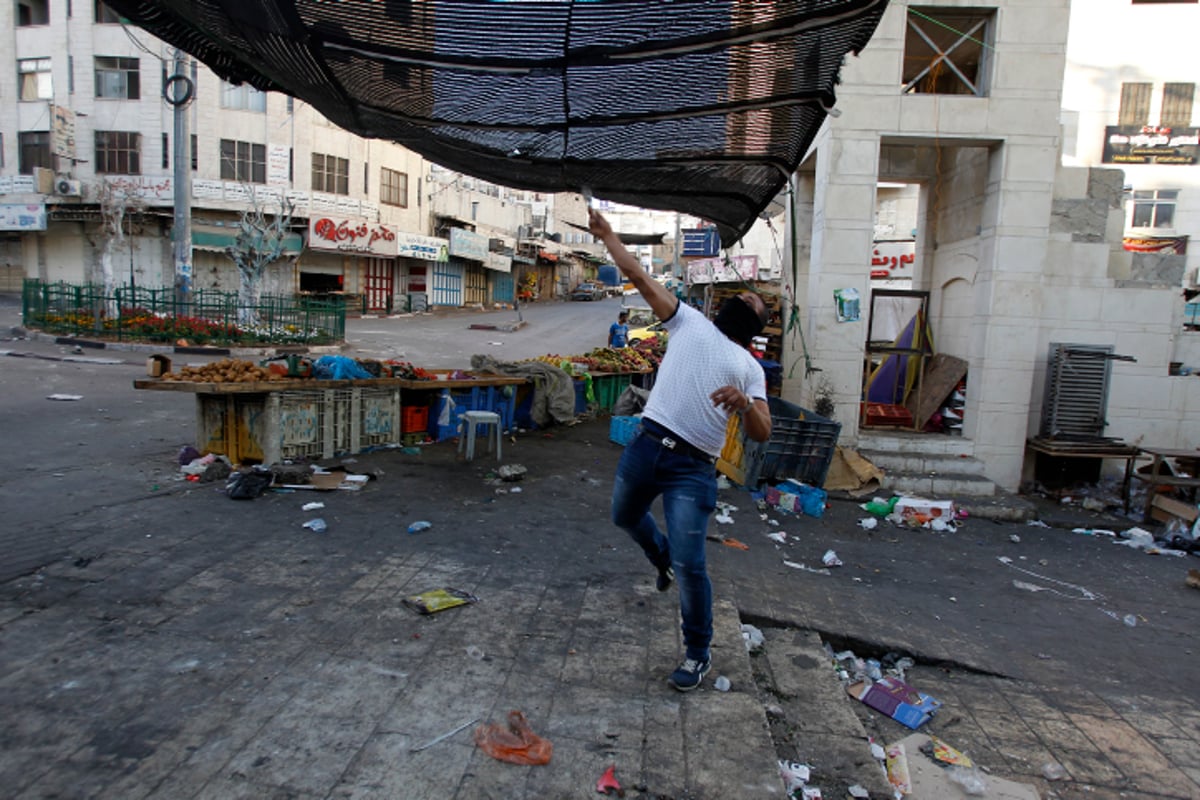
134	347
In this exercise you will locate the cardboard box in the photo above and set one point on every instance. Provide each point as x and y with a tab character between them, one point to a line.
157	366
898	700
327	481
1165	509
920	507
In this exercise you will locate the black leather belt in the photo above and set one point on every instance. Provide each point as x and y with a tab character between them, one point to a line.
674	442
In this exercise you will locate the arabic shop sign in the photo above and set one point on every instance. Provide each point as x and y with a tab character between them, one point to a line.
468	244
1149	144
351	236
22	216
723	270
426	248
1163	245
893	259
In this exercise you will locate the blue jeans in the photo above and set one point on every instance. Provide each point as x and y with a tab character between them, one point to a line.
689	493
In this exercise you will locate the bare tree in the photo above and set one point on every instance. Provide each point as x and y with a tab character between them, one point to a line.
259	243
118	203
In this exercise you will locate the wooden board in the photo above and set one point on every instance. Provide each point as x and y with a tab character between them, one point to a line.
942	374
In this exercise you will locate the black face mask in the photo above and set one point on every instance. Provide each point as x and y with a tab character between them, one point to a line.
738	321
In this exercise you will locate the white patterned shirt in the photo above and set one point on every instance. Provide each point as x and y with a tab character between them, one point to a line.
699	360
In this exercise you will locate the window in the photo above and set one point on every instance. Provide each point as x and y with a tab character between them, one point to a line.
330	174
166	152
118	78
243	161
393	187
1154	209
1177	105
105	15
33	12
36	82
946	50
242	97
33	150
1135	104
119	152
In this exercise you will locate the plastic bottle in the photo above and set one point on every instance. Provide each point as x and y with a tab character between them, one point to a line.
721	684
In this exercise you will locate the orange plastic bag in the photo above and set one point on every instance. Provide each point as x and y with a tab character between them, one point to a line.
516	744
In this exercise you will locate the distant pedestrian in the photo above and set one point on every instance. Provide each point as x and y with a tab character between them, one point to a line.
706	375
618	332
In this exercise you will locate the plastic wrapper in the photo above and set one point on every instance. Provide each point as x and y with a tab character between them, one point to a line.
515	742
437	600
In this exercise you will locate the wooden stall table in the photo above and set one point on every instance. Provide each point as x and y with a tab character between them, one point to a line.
1153	480
1101	449
269	421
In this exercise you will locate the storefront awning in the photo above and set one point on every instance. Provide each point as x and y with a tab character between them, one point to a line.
217	238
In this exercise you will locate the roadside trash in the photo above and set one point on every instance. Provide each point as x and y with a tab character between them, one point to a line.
1094	532
511	472
1193	578
316	525
897	768
721	684
872	669
311	506
896	699
921	509
475	653
1053	771
443	737
64	397
729	541
1037	523
797	497
722	518
971	780
1014	538
437	600
515	742
858	791
879	506
795	565
944	754
868	524
187	455
1137	538
421	525
795	776
752	637
1092	504
830	559
778	536
607	784
249	484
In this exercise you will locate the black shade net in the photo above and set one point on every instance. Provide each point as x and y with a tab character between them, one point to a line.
700	107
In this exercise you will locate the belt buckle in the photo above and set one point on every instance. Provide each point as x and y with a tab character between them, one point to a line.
668	442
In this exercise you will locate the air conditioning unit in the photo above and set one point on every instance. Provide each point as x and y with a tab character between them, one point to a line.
67	188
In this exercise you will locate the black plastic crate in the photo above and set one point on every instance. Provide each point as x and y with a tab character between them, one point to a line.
801	446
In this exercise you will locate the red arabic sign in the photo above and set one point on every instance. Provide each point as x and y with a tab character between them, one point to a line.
1165	245
893	259
351	236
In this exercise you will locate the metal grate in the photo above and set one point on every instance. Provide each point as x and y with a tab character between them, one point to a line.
699	106
1076	398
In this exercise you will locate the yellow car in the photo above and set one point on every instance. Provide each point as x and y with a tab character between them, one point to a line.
638	334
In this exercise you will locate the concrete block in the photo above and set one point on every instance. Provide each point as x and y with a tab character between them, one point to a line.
1071	182
1157	268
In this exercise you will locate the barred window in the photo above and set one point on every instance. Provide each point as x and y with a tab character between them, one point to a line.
393	187
33	150
1135	104
330	174
1177	105
118	78
118	152
243	161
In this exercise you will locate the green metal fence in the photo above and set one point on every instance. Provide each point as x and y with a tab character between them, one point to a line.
135	313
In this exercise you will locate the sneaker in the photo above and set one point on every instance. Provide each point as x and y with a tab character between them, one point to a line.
689	674
665	578
950	413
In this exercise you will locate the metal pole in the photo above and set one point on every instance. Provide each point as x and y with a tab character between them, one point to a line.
180	98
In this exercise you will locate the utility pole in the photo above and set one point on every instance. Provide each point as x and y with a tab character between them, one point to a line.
178	92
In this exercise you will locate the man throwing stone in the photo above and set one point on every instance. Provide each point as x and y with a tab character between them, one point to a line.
706	375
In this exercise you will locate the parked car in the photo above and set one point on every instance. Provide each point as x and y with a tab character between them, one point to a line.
638	334
588	291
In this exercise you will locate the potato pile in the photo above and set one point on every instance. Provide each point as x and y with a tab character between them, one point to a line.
227	370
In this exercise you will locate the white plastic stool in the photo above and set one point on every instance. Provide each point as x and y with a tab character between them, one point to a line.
473	419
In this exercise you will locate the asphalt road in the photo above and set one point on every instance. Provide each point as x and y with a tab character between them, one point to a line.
445	340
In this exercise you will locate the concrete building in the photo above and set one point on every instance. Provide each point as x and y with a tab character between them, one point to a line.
1016	249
